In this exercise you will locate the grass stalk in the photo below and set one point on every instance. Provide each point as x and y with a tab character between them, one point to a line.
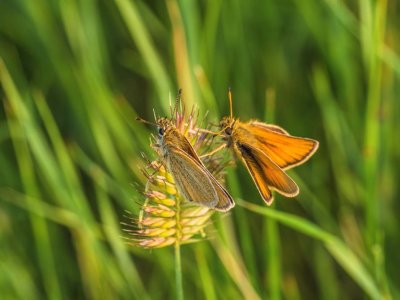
338	249
272	245
178	271
140	35
178	262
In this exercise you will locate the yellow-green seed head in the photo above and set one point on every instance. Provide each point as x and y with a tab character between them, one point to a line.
165	216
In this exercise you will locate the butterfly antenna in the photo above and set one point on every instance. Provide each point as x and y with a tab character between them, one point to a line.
230	101
145	121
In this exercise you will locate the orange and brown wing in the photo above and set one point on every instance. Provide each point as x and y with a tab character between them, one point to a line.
266	174
283	149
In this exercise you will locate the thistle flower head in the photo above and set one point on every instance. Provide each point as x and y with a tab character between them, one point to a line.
165	217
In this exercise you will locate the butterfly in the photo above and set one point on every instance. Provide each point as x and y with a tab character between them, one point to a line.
267	151
192	179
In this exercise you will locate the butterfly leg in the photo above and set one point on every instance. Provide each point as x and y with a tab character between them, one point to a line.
214	151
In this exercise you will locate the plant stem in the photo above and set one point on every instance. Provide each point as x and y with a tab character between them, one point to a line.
178	265
178	271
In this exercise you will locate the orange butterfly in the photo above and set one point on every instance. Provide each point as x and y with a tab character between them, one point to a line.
267	151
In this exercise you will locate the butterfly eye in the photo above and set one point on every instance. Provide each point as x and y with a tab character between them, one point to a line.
228	131
161	131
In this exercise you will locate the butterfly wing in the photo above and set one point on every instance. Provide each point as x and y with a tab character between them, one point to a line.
191	178
269	127
266	174
225	201
283	149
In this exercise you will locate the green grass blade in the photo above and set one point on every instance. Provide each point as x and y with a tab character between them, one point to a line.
342	254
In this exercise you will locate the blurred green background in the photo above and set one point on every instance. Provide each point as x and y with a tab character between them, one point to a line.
75	74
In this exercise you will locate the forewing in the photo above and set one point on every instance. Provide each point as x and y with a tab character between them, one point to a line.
225	201
271	127
266	174
283	149
191	178
186	147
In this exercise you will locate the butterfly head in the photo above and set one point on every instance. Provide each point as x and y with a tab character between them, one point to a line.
227	125
163	124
